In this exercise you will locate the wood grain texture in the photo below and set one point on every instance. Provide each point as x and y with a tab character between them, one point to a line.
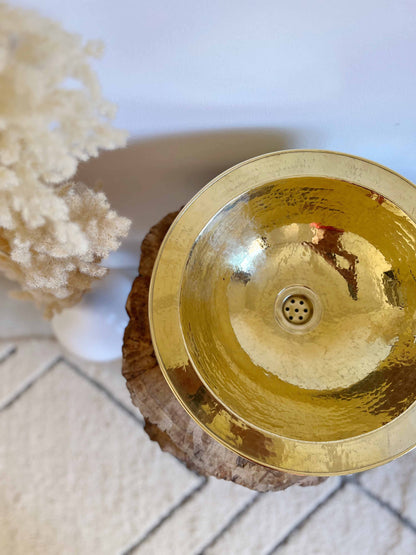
166	422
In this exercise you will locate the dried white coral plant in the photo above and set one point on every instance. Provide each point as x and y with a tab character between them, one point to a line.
53	233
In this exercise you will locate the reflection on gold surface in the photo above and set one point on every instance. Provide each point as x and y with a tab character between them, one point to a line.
298	390
317	386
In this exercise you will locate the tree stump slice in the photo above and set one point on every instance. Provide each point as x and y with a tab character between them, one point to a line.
166	422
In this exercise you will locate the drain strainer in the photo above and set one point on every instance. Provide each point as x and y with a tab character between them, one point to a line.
298	309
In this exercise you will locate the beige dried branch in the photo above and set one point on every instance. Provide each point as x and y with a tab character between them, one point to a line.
53	234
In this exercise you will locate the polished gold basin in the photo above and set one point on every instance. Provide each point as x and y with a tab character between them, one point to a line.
282	310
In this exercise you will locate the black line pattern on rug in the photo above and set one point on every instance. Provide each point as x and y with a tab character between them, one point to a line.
404	520
8	354
304	520
235	518
181	503
19	393
136	417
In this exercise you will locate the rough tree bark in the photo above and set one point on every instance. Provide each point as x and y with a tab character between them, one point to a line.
165	420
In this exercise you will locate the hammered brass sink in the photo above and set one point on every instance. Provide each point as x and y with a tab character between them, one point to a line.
282	310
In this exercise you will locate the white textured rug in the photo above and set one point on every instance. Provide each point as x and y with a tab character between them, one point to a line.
78	475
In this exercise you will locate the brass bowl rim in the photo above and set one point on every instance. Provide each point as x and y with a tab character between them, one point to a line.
326	458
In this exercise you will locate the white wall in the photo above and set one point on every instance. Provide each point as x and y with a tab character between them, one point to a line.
337	75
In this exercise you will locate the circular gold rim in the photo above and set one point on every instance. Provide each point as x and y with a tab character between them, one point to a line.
295	456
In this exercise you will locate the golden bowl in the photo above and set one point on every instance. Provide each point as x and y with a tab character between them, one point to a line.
283	311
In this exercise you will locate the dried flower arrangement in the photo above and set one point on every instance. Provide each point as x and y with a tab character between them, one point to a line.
53	232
